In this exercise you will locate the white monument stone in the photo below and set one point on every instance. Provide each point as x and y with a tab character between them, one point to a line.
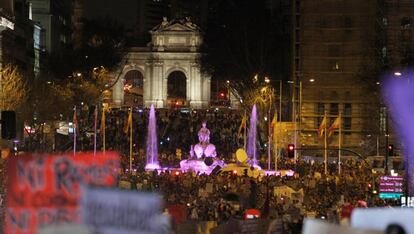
174	47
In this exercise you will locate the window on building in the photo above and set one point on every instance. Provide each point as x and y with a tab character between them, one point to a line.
385	21
334	50
348	22
334	65
347	120
333	111
405	22
62	38
320	111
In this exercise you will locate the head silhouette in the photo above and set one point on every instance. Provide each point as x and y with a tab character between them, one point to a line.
394	229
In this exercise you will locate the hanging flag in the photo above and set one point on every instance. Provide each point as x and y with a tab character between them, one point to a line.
128	124
95	118
75	121
102	129
273	125
242	125
322	127
335	125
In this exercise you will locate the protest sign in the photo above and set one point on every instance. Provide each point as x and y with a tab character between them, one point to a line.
245	226
124	184
107	211
381	218
209	188
44	190
275	227
64	229
315	226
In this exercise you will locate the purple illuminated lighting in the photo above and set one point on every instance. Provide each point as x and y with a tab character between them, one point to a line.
152	142
399	95
251	143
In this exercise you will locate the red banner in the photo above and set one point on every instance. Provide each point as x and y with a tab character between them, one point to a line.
44	190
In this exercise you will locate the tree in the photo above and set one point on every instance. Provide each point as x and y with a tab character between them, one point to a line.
14	88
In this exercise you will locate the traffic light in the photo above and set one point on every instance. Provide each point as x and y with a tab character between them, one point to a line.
390	150
291	151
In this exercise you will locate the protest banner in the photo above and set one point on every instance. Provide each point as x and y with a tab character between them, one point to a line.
65	229
107	211
44	190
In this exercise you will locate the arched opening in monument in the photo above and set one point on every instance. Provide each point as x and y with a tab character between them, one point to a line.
133	88
177	89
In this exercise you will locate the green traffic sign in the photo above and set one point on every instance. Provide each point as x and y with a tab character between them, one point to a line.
390	195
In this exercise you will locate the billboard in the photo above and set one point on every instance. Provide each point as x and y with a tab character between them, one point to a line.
391	186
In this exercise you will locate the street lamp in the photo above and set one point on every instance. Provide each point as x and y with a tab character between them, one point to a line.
397	73
311	80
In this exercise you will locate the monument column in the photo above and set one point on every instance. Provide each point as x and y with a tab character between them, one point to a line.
196	87
157	85
147	95
118	90
206	81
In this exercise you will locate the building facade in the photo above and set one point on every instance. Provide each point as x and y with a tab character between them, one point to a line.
340	49
166	73
55	19
332	40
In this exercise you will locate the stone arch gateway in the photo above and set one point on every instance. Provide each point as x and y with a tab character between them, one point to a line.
173	50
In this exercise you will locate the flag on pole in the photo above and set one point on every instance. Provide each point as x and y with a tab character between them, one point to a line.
102	129
95	125
322	127
242	125
75	126
128	124
273	126
75	121
335	125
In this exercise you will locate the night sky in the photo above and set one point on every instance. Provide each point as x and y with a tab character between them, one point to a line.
124	11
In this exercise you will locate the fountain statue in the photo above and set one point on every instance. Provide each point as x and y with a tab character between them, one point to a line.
202	155
204	148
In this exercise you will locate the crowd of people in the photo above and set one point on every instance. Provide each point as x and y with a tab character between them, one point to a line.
177	129
224	195
309	192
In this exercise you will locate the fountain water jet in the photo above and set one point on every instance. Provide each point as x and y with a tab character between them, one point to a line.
251	143
152	142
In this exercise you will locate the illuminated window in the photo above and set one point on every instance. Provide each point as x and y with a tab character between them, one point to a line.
334	65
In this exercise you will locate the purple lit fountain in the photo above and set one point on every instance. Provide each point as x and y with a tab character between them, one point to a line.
203	154
252	136
152	142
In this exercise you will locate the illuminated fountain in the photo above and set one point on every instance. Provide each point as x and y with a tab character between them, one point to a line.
152	142
203	154
252	138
